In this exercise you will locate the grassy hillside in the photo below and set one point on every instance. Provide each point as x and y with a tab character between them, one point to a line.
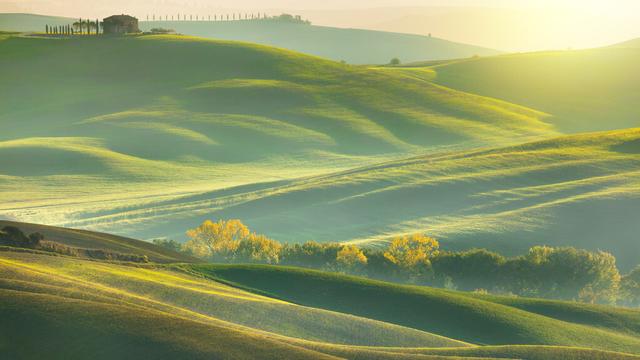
200	300
479	321
235	114
569	191
586	90
634	44
350	45
39	326
94	240
66	308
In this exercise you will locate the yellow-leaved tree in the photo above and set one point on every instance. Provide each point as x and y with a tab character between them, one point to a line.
259	249
350	257
219	239
231	241
409	251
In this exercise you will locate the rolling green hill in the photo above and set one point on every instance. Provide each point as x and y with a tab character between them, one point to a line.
634	44
578	190
350	45
585	90
191	297
280	140
66	308
476	320
80	121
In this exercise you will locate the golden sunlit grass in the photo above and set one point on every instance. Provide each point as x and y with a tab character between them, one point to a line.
235	114
490	193
202	300
444	312
175	309
584	90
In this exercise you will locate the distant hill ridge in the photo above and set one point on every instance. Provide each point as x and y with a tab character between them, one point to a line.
351	45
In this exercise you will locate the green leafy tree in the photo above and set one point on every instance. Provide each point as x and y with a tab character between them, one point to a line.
630	288
470	270
169	244
351	259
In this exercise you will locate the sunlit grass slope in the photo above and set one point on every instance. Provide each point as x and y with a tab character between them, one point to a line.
467	317
92	124
43	326
64	308
634	43
94	240
197	299
579	190
350	45
586	90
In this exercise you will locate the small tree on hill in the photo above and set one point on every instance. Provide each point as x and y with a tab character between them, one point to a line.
395	62
630	288
351	259
13	236
409	251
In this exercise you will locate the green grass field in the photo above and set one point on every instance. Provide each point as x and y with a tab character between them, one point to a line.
147	136
131	122
584	90
476	320
280	140
576	190
62	308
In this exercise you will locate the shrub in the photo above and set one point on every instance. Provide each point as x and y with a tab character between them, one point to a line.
231	241
351	259
630	288
471	269
162	31
13	236
169	244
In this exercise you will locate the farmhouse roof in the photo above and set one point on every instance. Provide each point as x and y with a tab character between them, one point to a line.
120	17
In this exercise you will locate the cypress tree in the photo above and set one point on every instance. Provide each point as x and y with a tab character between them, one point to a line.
46	29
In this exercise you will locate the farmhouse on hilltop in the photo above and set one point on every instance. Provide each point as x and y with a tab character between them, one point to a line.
120	24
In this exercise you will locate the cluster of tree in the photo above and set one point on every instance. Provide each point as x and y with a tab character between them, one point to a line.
231	241
288	18
557	273
79	27
162	31
14	237
229	17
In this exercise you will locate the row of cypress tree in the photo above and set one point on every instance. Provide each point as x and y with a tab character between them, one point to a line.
75	28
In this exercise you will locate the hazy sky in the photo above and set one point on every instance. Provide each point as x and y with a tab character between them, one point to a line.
514	25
